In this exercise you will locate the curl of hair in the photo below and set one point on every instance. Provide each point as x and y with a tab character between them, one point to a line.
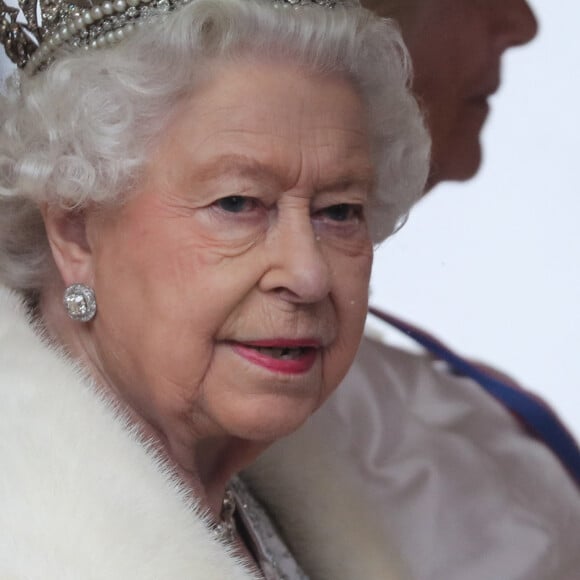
81	131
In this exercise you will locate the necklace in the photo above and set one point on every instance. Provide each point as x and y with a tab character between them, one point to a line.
225	530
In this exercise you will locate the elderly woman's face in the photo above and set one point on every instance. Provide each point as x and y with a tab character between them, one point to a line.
232	288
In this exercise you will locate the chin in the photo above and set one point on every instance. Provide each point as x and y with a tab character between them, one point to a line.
459	163
269	420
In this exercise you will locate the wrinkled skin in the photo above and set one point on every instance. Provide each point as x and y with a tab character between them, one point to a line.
248	225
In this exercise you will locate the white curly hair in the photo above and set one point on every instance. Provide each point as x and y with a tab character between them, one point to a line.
82	130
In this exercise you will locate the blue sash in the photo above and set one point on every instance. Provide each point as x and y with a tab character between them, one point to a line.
534	413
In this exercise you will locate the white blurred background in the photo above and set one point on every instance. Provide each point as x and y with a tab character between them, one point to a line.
492	266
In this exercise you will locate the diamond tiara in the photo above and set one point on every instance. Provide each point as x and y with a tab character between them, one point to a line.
32	30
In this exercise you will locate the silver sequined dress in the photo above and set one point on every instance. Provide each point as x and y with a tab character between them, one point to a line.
274	558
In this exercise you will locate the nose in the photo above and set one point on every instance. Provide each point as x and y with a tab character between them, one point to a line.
515	23
298	269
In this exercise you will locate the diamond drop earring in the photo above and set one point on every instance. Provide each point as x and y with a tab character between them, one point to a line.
79	301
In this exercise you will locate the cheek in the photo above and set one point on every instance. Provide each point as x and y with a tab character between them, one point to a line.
354	304
350	295
350	278
151	290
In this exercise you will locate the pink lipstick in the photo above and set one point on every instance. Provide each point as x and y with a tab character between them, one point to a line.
288	356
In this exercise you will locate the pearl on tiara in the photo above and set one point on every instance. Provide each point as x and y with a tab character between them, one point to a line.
31	31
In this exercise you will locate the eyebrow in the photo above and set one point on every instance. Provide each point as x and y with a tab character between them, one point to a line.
240	165
360	179
244	166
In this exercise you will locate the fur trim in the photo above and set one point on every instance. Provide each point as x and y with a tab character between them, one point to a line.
307	490
81	495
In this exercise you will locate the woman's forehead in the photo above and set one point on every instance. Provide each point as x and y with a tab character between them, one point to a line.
266	123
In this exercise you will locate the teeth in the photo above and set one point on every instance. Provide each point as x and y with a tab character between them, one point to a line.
282	353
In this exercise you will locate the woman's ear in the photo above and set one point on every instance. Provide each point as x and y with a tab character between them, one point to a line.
66	231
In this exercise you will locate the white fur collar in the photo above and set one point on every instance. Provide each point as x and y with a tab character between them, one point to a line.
81	497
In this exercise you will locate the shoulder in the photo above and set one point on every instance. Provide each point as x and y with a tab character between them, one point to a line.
387	384
83	496
418	440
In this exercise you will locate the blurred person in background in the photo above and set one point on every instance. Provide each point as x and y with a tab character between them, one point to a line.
456	478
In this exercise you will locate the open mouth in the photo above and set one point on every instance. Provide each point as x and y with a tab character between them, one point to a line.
481	101
283	353
287	359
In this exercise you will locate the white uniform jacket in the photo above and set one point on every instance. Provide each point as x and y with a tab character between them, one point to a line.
462	489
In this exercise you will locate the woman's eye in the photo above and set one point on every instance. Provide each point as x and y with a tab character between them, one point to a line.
342	212
236	203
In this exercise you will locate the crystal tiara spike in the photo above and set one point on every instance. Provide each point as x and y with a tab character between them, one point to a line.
32	30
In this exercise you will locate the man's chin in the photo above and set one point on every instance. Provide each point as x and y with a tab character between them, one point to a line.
459	164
